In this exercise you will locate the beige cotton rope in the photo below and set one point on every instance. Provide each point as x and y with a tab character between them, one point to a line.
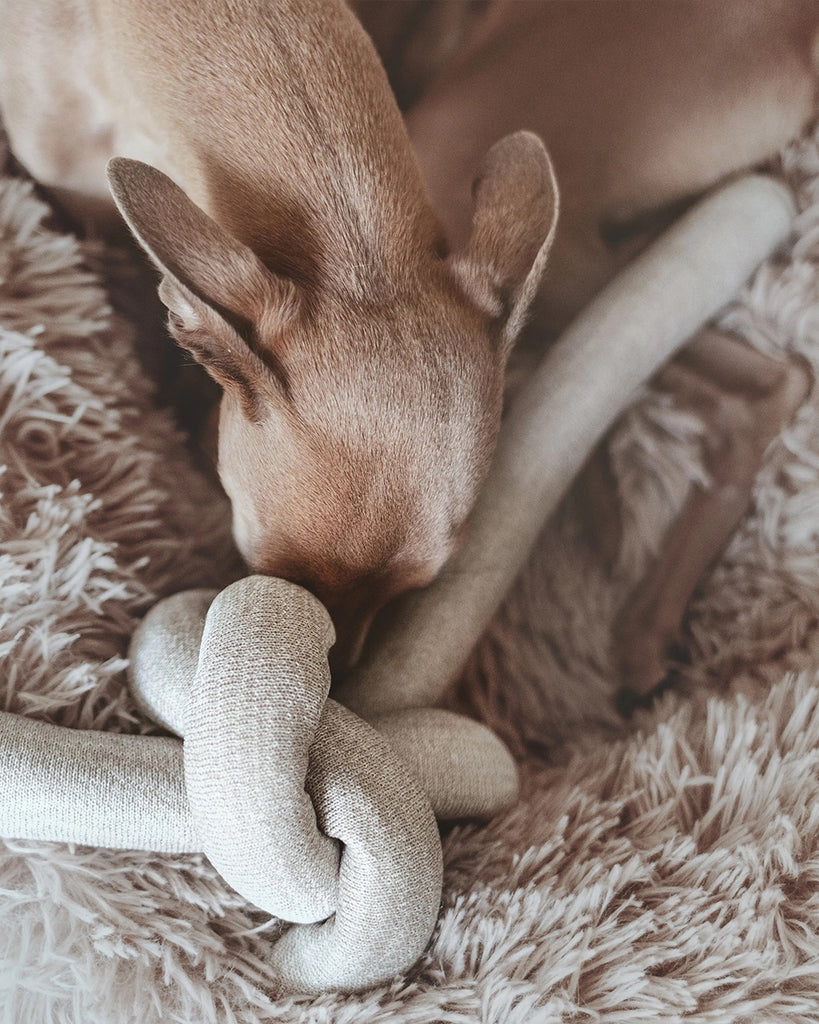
306	810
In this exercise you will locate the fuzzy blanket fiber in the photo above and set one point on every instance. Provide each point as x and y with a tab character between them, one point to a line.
665	869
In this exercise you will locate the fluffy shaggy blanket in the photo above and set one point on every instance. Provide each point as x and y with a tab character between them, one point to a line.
660	870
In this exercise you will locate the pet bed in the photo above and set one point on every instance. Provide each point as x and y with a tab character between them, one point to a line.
656	870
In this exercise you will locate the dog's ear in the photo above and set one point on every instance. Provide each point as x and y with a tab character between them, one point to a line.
513	227
216	289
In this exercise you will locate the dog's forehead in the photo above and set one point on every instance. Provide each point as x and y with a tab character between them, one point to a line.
391	485
417	443
395	373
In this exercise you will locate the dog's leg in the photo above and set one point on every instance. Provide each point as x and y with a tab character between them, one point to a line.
745	399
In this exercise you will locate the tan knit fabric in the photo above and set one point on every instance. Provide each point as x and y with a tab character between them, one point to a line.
303	807
256	715
165	645
255	706
464	768
94	788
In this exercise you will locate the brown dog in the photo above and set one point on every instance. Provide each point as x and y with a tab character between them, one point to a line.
361	364
302	265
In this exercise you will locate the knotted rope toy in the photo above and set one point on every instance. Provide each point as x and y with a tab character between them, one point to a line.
278	776
307	810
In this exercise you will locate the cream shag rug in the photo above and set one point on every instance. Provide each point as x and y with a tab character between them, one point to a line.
661	870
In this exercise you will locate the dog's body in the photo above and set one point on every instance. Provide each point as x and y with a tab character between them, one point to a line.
642	105
362	368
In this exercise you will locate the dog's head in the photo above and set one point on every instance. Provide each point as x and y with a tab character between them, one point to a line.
354	431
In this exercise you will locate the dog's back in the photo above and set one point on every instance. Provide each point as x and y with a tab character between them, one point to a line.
642	105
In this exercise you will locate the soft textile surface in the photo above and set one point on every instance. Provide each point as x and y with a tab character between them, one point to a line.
655	871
